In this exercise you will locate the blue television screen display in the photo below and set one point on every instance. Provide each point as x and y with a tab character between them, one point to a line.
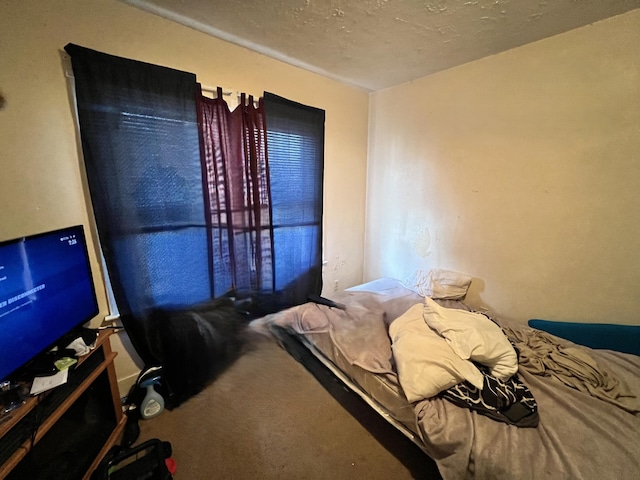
46	290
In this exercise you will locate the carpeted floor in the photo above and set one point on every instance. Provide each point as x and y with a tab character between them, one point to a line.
269	417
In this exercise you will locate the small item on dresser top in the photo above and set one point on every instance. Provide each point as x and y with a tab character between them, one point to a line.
64	363
42	384
12	395
82	342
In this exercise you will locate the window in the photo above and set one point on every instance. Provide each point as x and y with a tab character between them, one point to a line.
142	152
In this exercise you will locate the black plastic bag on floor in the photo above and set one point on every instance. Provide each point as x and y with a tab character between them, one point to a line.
194	345
150	460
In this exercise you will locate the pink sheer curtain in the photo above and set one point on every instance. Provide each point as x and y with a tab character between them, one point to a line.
237	195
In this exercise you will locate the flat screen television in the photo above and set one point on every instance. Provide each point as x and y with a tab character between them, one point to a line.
46	290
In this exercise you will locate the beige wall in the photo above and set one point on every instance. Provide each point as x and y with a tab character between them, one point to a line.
41	184
522	170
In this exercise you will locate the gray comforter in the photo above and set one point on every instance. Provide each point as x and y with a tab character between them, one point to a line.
586	430
588	400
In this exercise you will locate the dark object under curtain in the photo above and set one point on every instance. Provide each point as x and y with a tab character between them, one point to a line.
237	196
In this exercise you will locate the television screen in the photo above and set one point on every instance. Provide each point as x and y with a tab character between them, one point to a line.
46	290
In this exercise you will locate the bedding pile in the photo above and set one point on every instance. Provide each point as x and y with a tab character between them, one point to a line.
390	343
464	357
545	355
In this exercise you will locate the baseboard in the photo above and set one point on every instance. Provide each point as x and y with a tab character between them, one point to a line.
125	384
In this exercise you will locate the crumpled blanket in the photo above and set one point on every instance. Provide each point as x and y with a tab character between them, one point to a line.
359	333
508	401
549	356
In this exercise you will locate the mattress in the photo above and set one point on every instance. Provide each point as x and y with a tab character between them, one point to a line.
381	391
588	401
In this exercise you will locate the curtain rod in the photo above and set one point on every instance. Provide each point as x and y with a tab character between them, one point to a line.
230	93
227	92
205	88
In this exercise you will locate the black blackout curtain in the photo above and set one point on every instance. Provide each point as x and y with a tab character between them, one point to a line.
142	132
141	149
295	136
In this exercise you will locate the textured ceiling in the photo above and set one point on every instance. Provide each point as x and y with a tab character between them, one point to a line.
375	44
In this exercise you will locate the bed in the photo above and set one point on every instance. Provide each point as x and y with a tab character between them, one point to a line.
569	411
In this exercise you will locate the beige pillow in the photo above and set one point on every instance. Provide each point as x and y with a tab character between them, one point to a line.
440	284
425	362
473	337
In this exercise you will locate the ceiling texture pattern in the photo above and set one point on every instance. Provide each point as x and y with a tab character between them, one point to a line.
376	44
